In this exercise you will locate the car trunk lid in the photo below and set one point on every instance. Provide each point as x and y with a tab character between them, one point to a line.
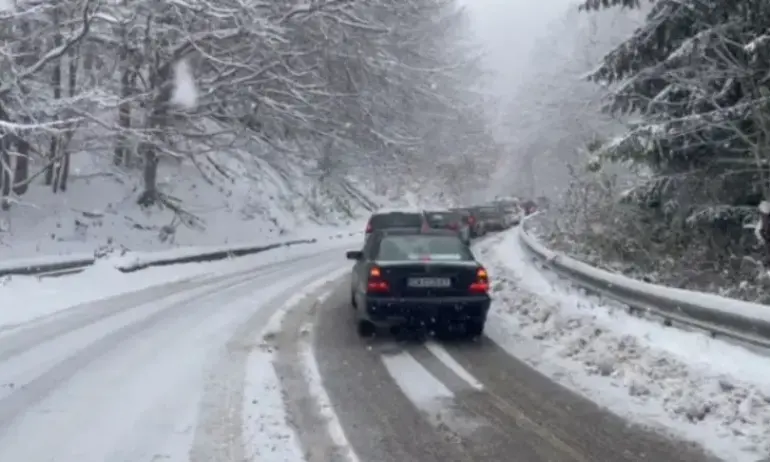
429	278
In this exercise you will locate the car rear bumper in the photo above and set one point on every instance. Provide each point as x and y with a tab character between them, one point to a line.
388	312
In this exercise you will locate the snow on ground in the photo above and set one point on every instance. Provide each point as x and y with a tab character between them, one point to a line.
211	393
26	298
99	210
263	370
435	400
685	383
269	436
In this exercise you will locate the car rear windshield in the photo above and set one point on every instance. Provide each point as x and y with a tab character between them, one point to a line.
442	218
420	247
396	220
489	212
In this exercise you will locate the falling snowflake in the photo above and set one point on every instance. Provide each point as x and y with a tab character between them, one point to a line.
185	94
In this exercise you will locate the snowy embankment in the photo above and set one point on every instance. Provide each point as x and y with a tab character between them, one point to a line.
686	383
237	190
99	211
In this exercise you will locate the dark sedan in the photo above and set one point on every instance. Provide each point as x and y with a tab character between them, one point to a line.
395	219
493	218
424	280
450	220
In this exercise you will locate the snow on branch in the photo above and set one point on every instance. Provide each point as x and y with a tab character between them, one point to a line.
54	53
331	84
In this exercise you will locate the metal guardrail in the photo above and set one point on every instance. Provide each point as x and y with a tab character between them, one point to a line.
61	266
720	316
47	267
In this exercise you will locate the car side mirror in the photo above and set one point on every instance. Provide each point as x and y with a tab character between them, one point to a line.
354	255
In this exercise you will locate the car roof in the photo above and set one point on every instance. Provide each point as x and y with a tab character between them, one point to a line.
415	232
386	211
441	211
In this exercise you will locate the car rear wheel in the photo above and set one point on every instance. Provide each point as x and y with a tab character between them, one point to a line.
366	329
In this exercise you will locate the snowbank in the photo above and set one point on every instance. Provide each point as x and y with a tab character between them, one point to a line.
684	383
719	312
98	212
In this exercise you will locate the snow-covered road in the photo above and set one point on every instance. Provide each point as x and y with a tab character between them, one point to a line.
257	359
163	373
380	400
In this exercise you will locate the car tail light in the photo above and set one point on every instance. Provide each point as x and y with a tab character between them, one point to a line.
369	228
471	220
376	283
454	226
481	284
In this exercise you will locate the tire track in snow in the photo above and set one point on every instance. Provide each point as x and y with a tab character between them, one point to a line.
23	338
15	340
160	422
310	410
219	435
33	392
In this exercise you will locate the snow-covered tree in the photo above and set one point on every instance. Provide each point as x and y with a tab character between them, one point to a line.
371	90
554	112
692	79
695	76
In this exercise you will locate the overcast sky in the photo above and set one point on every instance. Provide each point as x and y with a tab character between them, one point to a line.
508	29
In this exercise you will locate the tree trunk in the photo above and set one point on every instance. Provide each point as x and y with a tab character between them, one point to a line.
21	170
63	168
72	84
5	174
157	122
122	153
56	75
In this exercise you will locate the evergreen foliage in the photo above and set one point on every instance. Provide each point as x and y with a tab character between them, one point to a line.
696	77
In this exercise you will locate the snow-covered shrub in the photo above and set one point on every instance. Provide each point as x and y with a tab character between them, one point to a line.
599	220
690	84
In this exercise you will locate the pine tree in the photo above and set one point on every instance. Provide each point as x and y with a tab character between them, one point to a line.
695	75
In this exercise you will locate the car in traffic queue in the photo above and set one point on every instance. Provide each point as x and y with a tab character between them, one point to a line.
511	211
395	219
450	220
529	207
492	218
426	280
468	214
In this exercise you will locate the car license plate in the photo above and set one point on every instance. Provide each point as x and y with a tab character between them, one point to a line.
430	282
